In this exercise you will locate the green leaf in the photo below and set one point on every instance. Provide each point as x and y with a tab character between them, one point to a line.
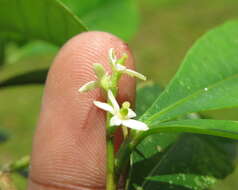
16	53
172	161
47	20
190	181
193	162
145	95
148	153
119	17
207	79
223	128
19	69
152	147
31	77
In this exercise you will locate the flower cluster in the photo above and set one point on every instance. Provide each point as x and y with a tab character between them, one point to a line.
120	116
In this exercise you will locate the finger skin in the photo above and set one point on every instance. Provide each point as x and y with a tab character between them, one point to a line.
69	143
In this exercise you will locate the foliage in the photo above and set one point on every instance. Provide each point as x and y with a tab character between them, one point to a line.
179	161
204	81
179	151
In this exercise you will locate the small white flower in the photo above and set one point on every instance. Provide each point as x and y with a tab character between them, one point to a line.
102	79
121	116
89	86
116	65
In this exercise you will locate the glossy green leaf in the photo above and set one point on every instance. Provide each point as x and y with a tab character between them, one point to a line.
223	128
190	181
48	20
207	79
145	95
147	155
152	147
193	162
119	17
171	161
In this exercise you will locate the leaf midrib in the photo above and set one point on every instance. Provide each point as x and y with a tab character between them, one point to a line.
168	108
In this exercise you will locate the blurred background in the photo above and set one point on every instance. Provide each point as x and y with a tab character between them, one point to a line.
164	31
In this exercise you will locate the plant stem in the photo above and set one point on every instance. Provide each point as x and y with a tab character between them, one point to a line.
123	155
110	176
111	182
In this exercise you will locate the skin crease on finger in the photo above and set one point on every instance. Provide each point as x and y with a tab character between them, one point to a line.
69	148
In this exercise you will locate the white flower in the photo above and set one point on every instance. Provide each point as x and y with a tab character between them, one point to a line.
88	86
117	66
103	79
121	116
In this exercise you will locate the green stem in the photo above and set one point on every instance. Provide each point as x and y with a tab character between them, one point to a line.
123	155
111	180
110	176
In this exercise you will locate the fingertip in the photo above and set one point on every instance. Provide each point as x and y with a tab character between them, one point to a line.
69	144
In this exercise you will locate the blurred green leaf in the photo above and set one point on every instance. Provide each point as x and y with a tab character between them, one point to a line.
207	79
47	20
3	135
2	51
119	17
16	53
17	166
19	69
31	77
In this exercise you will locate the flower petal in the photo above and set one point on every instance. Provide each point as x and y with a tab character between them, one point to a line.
112	56
113	100
135	74
134	124
115	121
104	106
120	67
88	86
131	113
